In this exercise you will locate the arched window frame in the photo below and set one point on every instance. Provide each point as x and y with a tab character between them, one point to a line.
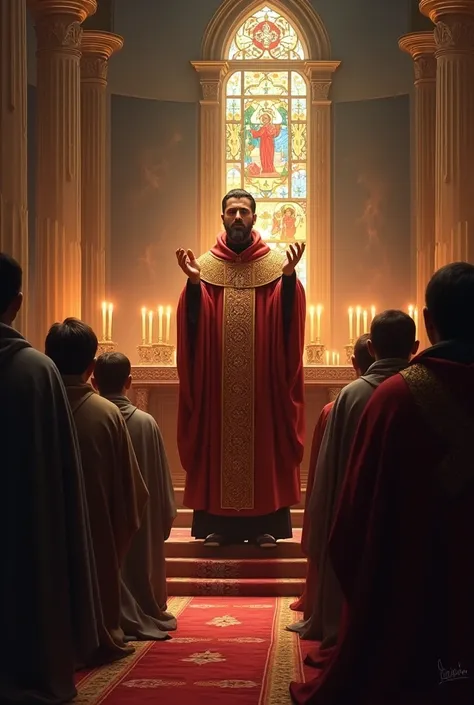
318	69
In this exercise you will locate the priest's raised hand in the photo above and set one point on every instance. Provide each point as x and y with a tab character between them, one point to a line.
293	256
189	264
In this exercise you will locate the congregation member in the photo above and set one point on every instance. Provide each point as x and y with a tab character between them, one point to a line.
402	538
241	321
361	361
116	492
47	604
144	594
391	344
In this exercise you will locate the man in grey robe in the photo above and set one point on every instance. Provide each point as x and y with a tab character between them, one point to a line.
392	343
48	589
144	594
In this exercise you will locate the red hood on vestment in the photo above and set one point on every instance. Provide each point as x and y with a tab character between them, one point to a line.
257	249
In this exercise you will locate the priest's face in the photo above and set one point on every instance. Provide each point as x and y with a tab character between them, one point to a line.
238	221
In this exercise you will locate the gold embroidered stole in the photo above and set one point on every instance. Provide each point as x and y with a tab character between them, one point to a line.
449	422
239	279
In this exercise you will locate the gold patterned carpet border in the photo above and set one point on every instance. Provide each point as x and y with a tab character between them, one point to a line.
95	686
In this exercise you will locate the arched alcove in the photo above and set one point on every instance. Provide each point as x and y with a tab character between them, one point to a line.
231	47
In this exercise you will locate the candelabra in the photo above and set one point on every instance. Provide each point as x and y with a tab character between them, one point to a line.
349	348
160	354
106	346
315	353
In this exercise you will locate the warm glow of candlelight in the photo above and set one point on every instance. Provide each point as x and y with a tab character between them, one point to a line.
319	310
351	323
366	323
109	321
160	324
104	320
415	318
311	324
326	355
150	327
143	325
411	310
372	313
168	324
358	313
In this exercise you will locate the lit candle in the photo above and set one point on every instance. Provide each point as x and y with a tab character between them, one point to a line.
104	319
319	310
415	318
351	323
150	327
366	325
337	359
358	312
168	323
326	354
160	324
334	358
109	327
411	311
143	326
372	313
311	324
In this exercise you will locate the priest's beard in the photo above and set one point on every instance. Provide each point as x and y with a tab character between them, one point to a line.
238	237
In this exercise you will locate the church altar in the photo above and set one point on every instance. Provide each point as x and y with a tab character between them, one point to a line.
155	389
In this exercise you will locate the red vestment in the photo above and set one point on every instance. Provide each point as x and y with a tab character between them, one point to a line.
272	409
304	603
266	134
401	548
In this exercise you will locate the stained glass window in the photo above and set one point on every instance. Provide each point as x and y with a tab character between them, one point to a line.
266	151
266	35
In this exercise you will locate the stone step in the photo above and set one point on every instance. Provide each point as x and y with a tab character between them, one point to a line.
245	568
184	518
182	545
244	587
179	492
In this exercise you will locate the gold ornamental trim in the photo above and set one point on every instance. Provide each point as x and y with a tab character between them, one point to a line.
450	423
241	275
238	391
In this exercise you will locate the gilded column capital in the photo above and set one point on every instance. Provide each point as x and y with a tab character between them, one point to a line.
454	24
97	47
422	47
211	74
58	22
320	75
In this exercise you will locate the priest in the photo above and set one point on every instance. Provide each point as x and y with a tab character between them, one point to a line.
401	541
116	492
144	595
361	360
47	577
241	413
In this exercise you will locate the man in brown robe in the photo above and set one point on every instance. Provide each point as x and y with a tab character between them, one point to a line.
144	593
47	574
116	492
392	343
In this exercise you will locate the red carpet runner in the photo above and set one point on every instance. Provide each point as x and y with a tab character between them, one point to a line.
226	649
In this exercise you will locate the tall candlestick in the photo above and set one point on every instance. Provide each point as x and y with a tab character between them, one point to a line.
319	310
160	324
337	359
372	313
109	327
358	312
351	323
334	358
366	324
150	327
143	326
326	355
311	324
168	323
104	319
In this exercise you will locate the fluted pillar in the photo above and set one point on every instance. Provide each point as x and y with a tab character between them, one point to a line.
97	48
211	162
421	47
454	36
319	265
58	175
13	144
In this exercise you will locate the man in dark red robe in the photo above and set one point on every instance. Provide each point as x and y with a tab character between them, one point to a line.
401	542
361	361
241	413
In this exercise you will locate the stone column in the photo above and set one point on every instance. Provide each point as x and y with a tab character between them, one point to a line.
319	224
97	47
13	150
421	47
58	175
211	161
454	37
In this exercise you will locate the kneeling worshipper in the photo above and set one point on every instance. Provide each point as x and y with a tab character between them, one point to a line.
144	593
392	343
116	492
361	361
401	542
